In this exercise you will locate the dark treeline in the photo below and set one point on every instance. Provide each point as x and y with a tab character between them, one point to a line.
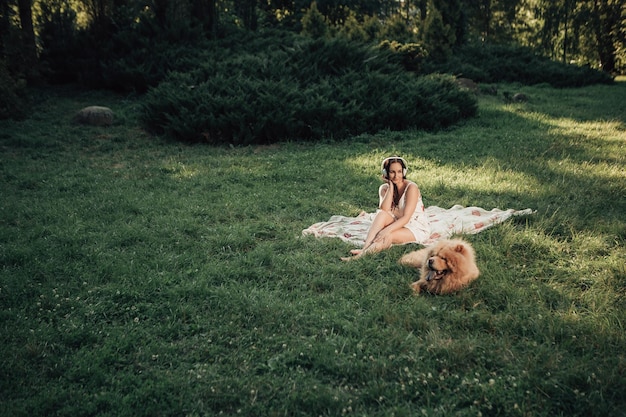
589	32
135	45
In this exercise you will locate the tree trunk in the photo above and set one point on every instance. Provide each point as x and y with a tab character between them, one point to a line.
607	22
212	22
5	25
28	39
485	14
246	10
206	12
565	32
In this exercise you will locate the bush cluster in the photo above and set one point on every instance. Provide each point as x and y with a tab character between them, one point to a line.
507	63
267	86
13	99
304	90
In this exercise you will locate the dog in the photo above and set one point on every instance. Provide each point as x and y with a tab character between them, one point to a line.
446	266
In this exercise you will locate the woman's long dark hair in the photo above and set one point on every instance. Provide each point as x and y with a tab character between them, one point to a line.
396	193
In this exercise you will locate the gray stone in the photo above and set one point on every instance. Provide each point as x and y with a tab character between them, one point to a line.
94	116
467	84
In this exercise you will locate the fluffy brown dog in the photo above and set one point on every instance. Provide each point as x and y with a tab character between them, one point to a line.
446	266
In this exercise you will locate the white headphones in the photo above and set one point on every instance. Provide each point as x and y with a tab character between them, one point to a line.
383	165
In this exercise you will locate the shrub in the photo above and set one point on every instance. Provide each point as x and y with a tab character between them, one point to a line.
60	41
437	36
308	90
504	63
410	55
131	50
140	68
13	100
314	23
353	29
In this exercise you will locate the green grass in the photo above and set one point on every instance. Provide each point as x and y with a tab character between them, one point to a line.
143	277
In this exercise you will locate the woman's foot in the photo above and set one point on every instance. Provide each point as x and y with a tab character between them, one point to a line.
356	253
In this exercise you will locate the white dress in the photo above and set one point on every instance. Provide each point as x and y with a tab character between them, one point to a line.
418	224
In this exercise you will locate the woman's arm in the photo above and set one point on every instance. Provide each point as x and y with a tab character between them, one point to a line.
412	196
386	197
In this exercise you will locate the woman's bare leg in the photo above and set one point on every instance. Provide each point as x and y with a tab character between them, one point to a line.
382	220
377	245
400	236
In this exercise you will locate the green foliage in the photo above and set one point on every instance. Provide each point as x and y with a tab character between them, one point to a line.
437	37
140	68
133	47
140	55
355	30
411	55
502	63
372	26
13	100
309	90
314	23
64	51
453	15
396	29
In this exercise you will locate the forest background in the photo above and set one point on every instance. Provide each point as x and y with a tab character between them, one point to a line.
136	46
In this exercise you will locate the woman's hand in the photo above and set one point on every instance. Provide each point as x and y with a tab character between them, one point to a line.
383	234
383	239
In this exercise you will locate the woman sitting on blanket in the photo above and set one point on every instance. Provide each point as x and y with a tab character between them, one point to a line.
401	217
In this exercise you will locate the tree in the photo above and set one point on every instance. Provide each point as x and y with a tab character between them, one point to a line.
453	16
99	11
353	29
247	12
590	30
396	29
494	20
5	27
206	12
608	18
28	41
314	23
437	37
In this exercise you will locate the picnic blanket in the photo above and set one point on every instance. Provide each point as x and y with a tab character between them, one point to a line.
444	223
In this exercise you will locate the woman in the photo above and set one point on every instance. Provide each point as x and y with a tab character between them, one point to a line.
401	217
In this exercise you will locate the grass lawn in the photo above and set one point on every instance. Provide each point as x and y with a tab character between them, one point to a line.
142	277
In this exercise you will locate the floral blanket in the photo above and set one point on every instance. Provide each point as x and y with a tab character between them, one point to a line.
443	223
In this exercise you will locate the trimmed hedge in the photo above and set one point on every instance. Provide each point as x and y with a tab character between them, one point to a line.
306	90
